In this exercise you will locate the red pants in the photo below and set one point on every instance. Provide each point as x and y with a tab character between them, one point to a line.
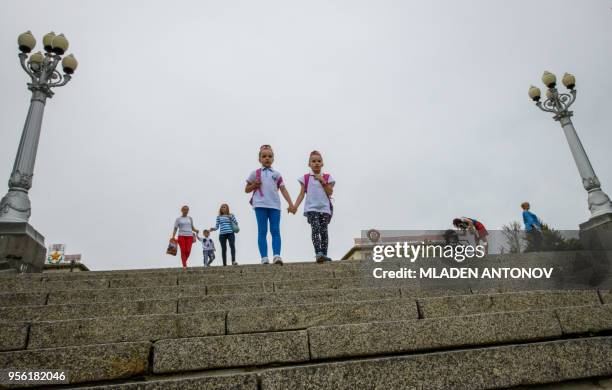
185	242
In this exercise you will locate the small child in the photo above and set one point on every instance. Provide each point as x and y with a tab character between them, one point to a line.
265	183
530	219
533	228
318	188
208	248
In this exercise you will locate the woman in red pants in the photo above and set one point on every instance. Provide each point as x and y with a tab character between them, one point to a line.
184	225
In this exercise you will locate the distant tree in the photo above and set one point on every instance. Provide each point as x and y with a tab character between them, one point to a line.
514	237
553	240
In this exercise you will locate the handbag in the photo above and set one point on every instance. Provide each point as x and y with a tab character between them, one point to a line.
235	227
171	248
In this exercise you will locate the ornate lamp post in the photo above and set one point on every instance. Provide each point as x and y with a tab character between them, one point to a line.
15	206
558	104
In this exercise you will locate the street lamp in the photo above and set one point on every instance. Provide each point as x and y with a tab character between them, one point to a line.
15	206
41	67
558	104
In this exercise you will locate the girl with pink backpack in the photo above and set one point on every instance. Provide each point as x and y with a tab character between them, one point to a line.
265	183
317	188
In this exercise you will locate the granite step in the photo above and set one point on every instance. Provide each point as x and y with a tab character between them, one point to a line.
240	350
106	330
159	293
576	384
248	269
57	312
13	336
163	292
458	305
255	277
281	318
18	299
104	293
249	381
86	310
208	382
385	338
103	330
44	283
497	367
84	363
220	302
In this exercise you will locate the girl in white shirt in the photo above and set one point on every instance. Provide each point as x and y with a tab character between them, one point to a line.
184	226
265	183
318	188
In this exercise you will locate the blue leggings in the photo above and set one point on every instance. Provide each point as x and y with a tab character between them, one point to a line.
263	214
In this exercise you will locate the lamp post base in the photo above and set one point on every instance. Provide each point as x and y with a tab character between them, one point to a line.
21	247
596	233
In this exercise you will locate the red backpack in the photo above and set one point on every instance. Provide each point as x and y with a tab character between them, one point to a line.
279	181
326	180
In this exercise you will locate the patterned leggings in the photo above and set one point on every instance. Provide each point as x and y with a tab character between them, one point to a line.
318	222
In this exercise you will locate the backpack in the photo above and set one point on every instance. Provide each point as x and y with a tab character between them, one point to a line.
279	181
326	179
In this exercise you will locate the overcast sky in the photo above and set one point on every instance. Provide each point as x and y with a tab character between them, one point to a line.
420	110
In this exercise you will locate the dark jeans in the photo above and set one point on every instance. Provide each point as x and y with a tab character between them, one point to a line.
534	240
223	239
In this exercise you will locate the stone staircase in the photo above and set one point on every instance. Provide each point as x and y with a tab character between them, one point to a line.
298	326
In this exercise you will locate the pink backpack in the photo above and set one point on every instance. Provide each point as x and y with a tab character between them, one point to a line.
279	181
326	180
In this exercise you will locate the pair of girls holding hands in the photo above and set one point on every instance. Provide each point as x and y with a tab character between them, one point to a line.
316	190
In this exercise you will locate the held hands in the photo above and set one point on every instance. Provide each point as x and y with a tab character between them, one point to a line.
292	209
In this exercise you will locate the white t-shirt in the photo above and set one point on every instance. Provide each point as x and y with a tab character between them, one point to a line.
271	181
207	243
184	225
316	199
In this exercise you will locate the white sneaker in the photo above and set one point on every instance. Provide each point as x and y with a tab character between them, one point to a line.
278	260
234	263
264	260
